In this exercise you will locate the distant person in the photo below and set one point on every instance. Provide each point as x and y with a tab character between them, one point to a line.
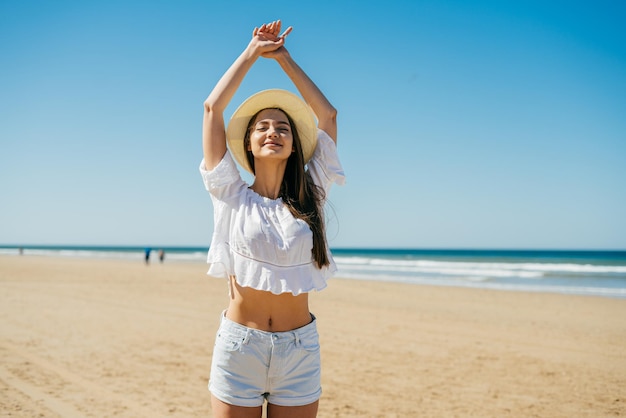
161	256
148	250
269	239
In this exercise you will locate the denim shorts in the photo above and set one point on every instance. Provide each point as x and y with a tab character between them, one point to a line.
250	366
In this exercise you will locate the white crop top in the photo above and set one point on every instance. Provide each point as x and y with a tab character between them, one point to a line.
257	239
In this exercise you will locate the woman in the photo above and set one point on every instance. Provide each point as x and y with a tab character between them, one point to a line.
269	238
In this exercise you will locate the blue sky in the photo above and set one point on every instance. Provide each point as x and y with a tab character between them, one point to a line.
482	124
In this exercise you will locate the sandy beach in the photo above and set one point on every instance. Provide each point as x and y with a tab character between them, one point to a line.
104	338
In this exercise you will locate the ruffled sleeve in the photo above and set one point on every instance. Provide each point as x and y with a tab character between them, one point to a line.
224	180
225	184
325	167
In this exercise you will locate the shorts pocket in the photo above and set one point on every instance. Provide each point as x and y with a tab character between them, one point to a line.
310	342
228	341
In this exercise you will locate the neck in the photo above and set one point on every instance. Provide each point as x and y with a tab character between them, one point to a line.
268	179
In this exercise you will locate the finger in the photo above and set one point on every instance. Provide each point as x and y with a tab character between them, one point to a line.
287	32
255	31
266	28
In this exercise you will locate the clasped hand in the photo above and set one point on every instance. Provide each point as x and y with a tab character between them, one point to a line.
267	39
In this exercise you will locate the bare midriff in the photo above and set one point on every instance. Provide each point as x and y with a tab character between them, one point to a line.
267	311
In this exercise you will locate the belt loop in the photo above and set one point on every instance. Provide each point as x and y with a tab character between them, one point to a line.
247	337
297	339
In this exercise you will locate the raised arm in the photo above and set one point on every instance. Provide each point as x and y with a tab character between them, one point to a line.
213	128
325	112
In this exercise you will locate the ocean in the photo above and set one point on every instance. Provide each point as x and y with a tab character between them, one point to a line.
597	273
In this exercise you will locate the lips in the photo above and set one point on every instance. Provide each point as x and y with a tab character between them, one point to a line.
272	144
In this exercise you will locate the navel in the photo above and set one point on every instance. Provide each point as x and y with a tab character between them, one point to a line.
269	322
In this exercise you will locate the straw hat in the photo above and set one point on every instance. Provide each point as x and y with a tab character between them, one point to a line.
294	106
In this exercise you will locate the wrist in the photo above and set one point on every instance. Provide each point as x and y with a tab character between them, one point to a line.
283	57
251	51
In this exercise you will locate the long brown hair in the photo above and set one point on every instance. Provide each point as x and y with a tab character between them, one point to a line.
298	192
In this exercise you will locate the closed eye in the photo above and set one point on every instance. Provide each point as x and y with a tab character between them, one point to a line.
279	124
262	127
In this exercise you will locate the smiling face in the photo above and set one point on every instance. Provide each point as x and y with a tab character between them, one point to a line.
271	136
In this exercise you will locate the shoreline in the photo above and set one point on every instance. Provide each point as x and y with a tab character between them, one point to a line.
101	337
575	272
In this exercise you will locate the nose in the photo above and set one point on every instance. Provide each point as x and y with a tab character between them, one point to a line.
272	132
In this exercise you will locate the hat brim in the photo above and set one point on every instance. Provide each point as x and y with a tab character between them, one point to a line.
294	106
